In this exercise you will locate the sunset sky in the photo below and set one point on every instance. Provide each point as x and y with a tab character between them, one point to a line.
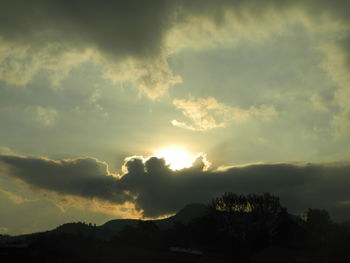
235	95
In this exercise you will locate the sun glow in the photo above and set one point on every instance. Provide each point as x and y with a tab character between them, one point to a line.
176	157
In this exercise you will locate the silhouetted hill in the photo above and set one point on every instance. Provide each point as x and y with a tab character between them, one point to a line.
113	227
188	213
75	242
116	225
73	228
184	216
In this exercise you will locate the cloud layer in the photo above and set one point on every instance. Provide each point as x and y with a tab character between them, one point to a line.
156	190
133	39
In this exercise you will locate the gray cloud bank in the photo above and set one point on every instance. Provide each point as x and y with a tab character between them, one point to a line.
157	190
130	38
130	27
116	27
85	177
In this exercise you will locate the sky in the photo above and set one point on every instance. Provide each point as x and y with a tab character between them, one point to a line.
132	109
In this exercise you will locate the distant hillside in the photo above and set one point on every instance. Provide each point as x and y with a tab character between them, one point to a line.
111	228
185	215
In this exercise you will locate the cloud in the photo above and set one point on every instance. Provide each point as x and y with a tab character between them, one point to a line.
132	40
300	186
17	199
116	28
5	150
336	64
45	116
208	113
155	190
84	177
21	61
4	230
318	103
126	38
152	78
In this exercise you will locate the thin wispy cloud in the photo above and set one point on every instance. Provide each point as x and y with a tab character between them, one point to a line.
208	113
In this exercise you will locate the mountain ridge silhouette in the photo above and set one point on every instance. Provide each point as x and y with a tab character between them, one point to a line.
114	226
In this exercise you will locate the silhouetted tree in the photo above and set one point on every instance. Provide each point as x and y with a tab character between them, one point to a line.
247	223
319	226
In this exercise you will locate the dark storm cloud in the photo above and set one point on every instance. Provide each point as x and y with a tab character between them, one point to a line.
158	190
299	186
85	177
117	27
127	28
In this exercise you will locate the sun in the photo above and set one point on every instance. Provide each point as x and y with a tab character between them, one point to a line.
176	157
